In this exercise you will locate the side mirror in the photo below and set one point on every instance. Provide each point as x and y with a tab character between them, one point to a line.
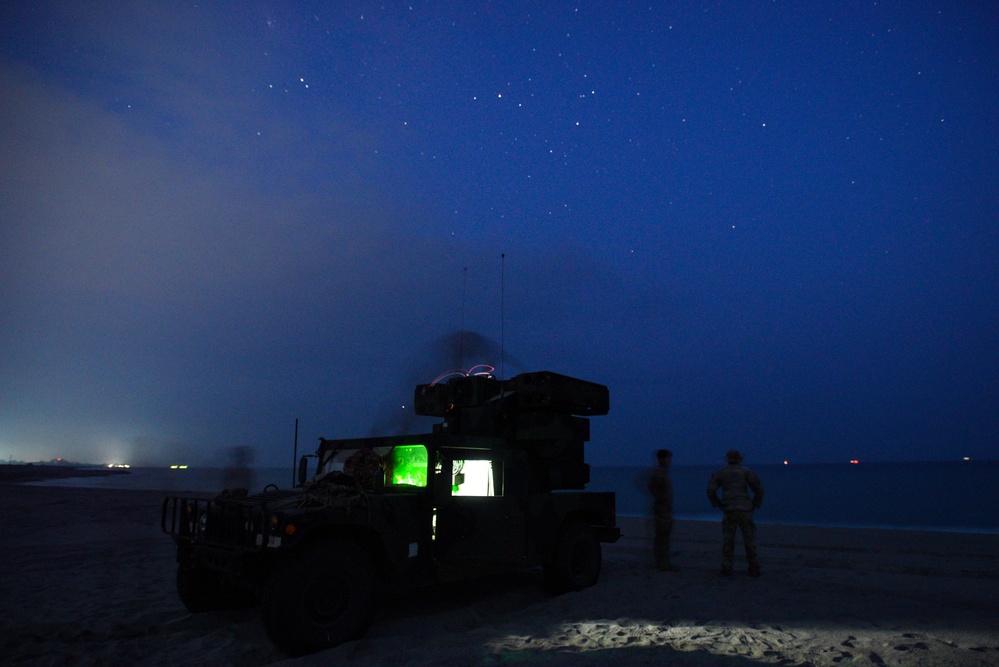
303	470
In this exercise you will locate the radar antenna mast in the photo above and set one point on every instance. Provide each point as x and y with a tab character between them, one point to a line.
461	326
502	315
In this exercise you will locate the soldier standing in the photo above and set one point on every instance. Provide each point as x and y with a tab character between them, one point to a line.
238	476
736	482
661	488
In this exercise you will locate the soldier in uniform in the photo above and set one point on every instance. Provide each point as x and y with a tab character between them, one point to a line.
364	466
736	481
661	487
238	477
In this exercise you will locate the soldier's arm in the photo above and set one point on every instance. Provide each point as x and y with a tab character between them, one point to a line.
713	491
754	484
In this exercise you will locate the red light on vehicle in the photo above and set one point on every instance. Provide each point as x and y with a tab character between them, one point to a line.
289	530
854	461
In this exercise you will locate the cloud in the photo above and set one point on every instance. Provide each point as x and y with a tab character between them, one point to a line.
139	284
153	296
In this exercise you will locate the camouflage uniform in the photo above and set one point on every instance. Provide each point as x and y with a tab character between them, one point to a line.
736	481
661	487
364	466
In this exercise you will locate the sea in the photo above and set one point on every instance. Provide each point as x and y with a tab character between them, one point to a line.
958	496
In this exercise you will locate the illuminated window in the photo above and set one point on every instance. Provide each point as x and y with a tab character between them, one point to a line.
472	478
408	465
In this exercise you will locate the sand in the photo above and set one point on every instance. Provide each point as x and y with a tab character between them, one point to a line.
88	579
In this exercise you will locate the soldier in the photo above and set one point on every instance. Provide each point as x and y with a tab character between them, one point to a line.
238	476
661	487
364	466
736	482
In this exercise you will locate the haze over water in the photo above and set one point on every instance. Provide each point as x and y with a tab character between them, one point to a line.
939	495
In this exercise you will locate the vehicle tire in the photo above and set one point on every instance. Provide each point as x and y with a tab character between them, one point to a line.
200	588
319	598
577	560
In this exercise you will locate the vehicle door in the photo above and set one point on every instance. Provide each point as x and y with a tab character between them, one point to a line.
480	514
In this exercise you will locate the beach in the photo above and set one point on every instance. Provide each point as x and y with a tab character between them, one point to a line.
89	580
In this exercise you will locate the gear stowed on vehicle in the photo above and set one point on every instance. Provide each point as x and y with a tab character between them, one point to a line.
472	497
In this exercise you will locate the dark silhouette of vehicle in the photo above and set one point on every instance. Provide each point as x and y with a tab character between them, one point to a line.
498	485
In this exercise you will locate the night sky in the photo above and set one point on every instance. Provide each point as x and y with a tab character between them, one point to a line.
769	225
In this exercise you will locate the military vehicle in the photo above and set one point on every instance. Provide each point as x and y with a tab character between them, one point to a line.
497	485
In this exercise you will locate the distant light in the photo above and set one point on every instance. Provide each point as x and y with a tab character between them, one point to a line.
785	461
854	461
178	467
967	458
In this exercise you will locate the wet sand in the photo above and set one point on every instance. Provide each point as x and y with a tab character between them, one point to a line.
89	580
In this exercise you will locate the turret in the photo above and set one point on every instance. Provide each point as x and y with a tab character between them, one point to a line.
543	413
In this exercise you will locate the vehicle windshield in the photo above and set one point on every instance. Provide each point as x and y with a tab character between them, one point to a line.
403	465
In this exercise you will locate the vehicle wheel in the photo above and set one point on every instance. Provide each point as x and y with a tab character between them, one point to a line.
319	598
200	589
577	560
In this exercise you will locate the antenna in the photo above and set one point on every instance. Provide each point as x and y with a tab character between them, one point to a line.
461	327
294	457
502	315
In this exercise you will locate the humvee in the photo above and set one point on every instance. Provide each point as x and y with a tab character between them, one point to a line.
497	485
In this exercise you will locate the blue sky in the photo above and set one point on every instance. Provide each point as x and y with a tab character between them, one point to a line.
771	226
